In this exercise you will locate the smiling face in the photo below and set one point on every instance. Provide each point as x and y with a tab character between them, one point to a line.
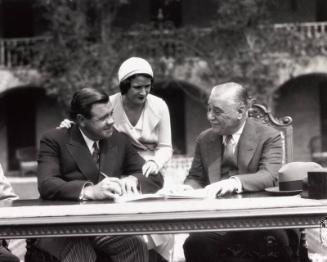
139	90
100	124
225	113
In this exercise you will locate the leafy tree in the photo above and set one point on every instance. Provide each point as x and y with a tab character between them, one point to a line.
241	45
79	51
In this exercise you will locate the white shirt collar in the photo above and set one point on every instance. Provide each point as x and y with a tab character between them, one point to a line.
236	136
89	142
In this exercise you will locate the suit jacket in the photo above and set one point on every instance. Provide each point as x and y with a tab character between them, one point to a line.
65	163
259	157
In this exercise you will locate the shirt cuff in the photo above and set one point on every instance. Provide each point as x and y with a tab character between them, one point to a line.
82	195
238	184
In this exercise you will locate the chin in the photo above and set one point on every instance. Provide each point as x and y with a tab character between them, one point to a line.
216	128
108	133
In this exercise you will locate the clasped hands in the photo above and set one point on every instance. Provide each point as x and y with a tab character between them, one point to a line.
213	190
111	188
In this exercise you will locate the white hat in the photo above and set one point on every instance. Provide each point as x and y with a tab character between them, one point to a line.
133	66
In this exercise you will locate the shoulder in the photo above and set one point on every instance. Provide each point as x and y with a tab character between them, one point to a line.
157	106
156	102
56	134
206	134
119	137
115	98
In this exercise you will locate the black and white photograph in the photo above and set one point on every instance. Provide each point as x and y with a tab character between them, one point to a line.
163	130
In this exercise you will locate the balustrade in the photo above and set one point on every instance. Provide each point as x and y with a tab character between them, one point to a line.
166	43
310	30
16	52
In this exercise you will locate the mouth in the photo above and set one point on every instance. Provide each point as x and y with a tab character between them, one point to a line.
141	97
109	129
214	124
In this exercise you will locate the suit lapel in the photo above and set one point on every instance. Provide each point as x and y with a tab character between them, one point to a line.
213	150
246	146
82	156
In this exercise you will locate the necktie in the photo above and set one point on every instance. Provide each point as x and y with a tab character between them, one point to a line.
96	154
228	156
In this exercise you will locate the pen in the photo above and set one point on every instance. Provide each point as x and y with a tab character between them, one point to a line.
115	180
105	175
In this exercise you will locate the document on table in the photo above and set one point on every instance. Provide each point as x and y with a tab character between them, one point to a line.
274	204
188	194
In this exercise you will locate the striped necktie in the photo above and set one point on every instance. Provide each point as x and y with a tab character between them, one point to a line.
228	156
96	154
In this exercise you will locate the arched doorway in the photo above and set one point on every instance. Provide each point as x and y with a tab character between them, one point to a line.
26	113
174	97
187	107
304	98
20	111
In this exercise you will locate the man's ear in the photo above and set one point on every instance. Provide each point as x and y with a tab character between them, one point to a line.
80	120
241	111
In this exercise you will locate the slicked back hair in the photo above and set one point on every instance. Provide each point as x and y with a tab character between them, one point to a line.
239	92
84	99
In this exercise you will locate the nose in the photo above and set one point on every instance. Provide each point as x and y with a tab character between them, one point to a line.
210	115
143	91
110	120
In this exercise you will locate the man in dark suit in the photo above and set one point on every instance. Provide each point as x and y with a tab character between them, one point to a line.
235	155
91	161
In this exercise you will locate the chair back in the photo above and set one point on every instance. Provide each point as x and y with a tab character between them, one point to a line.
283	125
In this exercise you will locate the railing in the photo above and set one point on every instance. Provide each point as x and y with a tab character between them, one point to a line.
19	51
310	30
170	44
16	52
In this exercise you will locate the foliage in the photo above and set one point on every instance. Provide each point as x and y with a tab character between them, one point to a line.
241	46
79	51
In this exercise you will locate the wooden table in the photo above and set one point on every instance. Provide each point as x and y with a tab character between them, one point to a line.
37	218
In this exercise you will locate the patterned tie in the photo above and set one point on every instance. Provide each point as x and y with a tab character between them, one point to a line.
96	154
228	156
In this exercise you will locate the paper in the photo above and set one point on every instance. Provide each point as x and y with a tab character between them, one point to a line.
189	194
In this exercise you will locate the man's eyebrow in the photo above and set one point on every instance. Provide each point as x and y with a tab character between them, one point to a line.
103	116
214	108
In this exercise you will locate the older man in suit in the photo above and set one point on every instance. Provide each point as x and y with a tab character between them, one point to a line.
235	155
91	161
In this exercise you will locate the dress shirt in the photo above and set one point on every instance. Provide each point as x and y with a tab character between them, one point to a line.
89	142
235	137
234	141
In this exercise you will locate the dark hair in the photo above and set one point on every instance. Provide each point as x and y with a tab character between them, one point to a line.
125	85
84	99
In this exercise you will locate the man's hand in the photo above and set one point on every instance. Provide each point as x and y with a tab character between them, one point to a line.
66	123
108	188
222	187
129	185
150	167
